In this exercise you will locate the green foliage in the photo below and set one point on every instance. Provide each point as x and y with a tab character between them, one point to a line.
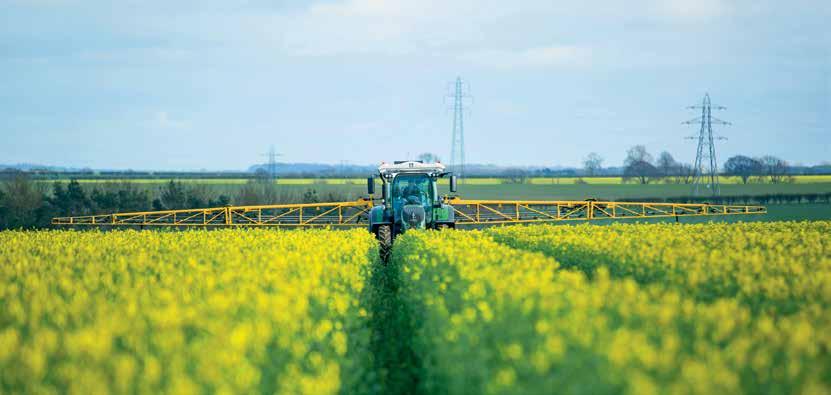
124	197
396	368
743	167
21	203
70	199
176	195
490	318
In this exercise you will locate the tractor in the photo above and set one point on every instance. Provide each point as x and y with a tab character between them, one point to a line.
409	199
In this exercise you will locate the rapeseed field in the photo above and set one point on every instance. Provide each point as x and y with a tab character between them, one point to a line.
498	319
229	311
626	308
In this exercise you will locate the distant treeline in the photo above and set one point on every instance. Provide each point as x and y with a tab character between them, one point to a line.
28	204
774	198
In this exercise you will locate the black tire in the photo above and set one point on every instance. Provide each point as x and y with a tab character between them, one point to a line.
384	235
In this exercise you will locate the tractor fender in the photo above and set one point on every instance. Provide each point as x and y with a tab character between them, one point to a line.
445	214
377	216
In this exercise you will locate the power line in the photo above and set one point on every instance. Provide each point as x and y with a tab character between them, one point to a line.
706	165
460	92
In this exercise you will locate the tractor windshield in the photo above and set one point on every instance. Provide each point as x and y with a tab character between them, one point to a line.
412	189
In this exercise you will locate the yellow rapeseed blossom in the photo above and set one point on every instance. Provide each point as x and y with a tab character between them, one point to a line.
227	311
780	267
636	327
639	309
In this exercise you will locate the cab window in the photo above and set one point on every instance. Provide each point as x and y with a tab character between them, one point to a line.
412	189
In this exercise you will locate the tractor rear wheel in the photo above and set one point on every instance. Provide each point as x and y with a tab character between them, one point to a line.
384	235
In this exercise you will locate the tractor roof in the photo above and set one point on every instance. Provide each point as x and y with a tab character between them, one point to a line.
417	167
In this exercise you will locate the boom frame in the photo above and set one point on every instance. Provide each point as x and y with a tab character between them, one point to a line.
484	212
346	214
356	213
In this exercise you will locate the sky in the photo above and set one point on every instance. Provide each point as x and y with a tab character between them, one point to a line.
189	85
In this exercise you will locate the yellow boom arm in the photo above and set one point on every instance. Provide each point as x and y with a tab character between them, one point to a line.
346	214
472	212
308	215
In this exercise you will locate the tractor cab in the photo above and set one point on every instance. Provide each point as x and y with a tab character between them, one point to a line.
409	198
412	199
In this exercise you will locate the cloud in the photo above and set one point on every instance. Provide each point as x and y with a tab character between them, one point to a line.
394	27
691	10
540	57
487	34
479	28
162	120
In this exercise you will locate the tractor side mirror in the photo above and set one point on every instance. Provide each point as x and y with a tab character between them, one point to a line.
370	185
453	186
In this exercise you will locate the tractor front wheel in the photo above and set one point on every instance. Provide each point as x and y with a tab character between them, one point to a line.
384	235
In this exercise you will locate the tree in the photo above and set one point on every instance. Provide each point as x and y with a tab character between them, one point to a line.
743	167
131	198
775	169
310	196
70	199
592	163
221	201
638	165
172	197
21	203
515	175
667	164
429	158
641	171
4	212
684	173
119	198
637	153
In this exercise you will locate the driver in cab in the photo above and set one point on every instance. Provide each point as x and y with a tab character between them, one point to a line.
412	193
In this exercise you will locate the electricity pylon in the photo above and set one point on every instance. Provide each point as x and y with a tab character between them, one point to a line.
272	163
706	165
457	147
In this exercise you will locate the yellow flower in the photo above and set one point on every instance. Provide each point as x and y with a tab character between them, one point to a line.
182	312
